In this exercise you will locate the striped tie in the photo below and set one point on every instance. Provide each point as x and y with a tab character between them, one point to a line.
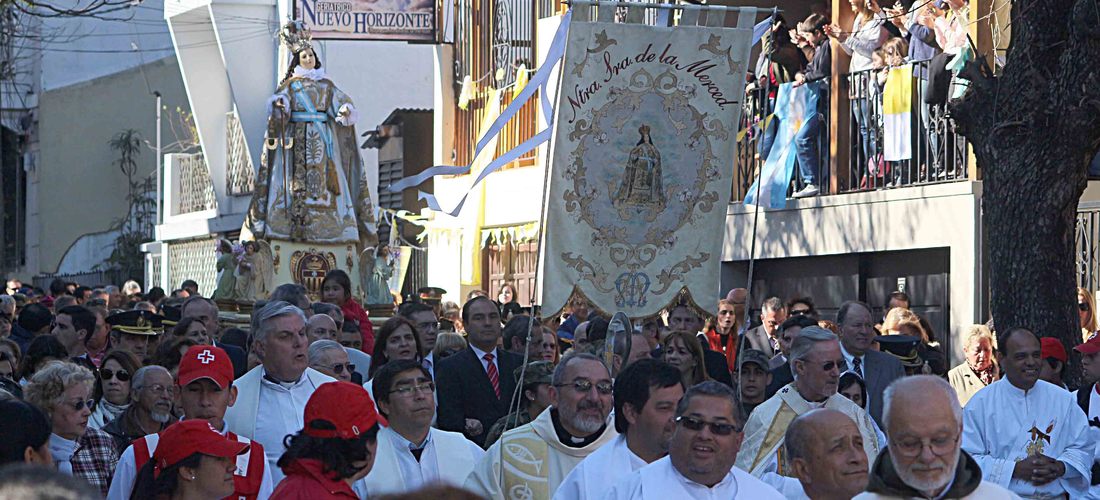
494	377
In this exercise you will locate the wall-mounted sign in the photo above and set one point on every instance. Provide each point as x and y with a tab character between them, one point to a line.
401	20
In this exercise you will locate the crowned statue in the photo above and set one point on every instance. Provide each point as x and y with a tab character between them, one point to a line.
641	186
310	197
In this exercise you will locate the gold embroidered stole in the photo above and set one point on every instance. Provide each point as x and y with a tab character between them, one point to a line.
525	466
774	437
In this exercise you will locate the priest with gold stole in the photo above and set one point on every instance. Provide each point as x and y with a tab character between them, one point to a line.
532	460
817	362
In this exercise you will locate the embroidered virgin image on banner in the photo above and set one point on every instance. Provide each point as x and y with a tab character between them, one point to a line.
642	159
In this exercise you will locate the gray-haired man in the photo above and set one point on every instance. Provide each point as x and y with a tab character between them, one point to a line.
271	398
817	363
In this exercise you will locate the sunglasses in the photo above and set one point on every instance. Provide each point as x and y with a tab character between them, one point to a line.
697	424
1083	306
604	388
106	374
81	404
828	366
799	312
339	369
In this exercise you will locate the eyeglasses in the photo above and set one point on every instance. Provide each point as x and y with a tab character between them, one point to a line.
1083	306
339	368
697	424
582	385
409	390
105	374
911	447
427	325
159	389
81	404
799	312
828	366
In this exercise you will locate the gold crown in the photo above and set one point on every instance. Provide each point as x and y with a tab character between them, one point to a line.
296	37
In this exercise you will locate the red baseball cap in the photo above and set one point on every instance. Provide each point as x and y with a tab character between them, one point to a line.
1052	348
205	361
343	404
183	439
1090	347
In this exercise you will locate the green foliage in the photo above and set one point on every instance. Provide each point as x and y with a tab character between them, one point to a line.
135	227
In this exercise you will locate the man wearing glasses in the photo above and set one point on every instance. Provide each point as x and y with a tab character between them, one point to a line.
152	394
924	460
700	455
427	328
330	358
817	363
411	453
542	453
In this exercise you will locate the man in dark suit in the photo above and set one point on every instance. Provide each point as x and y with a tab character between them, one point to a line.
878	370
763	338
788	331
682	318
476	385
205	311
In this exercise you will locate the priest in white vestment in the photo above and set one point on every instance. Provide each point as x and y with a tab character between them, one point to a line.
1028	435
410	453
272	397
537	456
700	460
818	363
646	394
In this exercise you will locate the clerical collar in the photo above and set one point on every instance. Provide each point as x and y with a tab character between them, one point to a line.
570	440
285	385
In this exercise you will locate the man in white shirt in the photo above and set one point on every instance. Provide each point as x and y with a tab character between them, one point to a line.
701	454
1088	399
646	393
427	328
272	397
1028	435
204	390
410	453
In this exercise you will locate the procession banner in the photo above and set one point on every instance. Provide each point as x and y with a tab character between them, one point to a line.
408	20
642	157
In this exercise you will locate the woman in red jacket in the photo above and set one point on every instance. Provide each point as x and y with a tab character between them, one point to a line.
335	449
336	289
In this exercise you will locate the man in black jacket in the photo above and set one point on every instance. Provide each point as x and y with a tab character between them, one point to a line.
475	386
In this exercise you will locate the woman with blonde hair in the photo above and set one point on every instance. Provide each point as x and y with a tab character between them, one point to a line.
1086	312
979	369
683	351
64	391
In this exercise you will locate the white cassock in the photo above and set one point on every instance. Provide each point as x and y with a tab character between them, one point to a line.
591	478
535	462
762	449
1002	425
448	457
267	412
661	481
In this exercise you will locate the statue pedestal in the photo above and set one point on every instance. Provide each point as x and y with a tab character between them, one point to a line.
307	263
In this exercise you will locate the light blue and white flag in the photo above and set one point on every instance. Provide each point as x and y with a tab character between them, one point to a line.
793	106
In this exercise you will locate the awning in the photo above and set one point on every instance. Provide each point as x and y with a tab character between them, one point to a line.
515	234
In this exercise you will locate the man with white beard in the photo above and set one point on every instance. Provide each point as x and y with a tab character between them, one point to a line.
646	394
1026	434
542	453
924	423
151	392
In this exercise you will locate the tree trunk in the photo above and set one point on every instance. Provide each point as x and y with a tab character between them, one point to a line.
1034	129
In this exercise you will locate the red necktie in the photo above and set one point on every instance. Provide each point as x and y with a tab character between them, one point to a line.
494	377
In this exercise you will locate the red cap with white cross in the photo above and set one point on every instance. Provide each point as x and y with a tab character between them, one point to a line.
205	361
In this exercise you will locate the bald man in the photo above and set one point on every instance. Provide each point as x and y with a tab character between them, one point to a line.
825	450
320	327
924	423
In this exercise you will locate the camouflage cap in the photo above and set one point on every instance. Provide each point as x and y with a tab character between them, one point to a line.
753	356
538	372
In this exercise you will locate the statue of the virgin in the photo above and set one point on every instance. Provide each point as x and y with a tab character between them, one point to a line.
310	185
642	186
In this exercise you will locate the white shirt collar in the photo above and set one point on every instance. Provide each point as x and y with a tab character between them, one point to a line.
730	478
848	357
481	354
285	386
405	444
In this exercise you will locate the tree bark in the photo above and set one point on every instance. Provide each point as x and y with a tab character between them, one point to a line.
1034	129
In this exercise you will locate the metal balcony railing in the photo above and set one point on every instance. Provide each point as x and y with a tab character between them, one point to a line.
196	190
240	177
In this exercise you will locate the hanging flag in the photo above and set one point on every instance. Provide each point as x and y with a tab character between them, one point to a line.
466	94
897	104
793	106
521	81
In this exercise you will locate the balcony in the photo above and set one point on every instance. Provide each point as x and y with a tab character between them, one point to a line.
850	160
241	177
190	190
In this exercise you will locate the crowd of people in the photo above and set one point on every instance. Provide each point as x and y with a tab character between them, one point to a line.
125	395
928	34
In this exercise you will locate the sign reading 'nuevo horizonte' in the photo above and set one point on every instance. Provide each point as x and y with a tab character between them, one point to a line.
410	20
